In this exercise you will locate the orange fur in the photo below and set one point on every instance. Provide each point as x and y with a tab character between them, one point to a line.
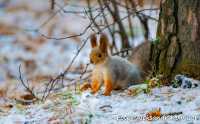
95	86
108	84
108	87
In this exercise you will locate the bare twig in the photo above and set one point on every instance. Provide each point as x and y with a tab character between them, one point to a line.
112	33
55	80
122	51
129	19
71	36
134	10
52	4
84	71
144	21
26	84
116	17
91	16
89	26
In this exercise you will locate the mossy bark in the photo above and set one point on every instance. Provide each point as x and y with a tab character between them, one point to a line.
178	50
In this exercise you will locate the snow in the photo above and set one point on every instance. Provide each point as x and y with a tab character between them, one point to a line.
141	104
119	108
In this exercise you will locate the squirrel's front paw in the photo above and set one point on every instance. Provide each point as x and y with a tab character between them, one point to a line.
106	93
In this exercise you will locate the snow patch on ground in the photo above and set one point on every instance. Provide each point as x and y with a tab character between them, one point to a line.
119	108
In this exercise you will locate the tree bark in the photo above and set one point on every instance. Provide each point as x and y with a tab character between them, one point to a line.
178	48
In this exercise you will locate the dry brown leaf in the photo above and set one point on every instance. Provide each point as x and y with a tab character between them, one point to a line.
27	96
3	91
132	92
32	44
6	29
6	107
85	86
153	114
153	82
25	99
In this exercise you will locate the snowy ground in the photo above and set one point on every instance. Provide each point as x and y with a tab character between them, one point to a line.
119	108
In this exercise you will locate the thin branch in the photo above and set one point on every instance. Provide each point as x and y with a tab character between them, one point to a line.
61	9
139	12
84	71
88	27
26	85
71	36
55	80
129	19
91	16
116	17
100	2
144	21
122	51
52	4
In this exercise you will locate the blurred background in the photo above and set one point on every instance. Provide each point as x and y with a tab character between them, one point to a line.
44	36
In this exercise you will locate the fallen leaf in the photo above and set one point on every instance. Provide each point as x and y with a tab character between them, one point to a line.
8	29
6	107
85	86
26	99
3	91
156	114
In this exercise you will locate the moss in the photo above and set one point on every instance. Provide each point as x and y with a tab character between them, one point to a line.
156	41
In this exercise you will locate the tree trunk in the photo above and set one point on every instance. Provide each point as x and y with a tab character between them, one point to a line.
178	48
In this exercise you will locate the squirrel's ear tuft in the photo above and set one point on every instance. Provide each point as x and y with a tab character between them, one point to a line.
93	40
103	42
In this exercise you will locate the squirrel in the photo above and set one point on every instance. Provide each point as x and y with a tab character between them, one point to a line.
116	72
112	71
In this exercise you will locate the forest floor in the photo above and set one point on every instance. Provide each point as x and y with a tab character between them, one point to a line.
176	105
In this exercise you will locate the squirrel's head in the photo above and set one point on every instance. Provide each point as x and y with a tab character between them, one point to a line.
99	52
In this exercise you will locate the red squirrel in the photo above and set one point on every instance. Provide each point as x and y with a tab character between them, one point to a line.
115	72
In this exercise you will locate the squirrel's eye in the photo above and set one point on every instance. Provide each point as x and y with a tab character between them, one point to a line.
99	55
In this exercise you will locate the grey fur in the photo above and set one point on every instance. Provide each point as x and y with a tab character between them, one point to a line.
122	72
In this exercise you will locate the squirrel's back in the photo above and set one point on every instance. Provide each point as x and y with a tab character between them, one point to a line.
123	72
141	57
